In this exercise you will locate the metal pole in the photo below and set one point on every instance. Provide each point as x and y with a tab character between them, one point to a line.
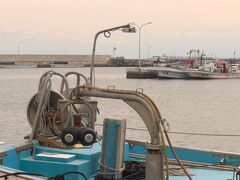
93	54
139	49
139	42
19	44
108	34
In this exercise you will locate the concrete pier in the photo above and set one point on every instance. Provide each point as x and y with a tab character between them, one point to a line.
136	73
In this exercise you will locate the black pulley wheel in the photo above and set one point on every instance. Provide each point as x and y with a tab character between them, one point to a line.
86	136
69	136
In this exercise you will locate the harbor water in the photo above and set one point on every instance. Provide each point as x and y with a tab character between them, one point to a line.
190	106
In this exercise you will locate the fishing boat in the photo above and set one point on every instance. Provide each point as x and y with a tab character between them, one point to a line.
64	144
219	70
172	73
177	71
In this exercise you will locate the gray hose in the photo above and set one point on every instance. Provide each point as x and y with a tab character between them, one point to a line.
42	98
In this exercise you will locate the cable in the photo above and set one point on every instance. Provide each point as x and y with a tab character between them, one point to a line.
20	173
134	170
175	154
218	165
107	34
185	133
205	134
61	176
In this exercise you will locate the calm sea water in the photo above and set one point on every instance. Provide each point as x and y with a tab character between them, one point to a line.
207	106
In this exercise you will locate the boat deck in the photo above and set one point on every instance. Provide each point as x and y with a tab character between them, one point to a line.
52	161
206	174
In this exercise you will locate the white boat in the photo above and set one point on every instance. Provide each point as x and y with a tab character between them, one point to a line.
172	73
212	75
177	71
220	71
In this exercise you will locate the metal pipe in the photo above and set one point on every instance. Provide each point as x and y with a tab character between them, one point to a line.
154	163
78	79
36	119
92	112
94	48
138	103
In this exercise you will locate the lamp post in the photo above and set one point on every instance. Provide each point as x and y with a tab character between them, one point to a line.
107	33
139	42
114	49
18	46
148	48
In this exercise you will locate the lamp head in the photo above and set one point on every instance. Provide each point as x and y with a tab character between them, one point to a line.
129	29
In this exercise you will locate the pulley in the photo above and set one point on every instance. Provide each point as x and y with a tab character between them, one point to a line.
84	135
69	136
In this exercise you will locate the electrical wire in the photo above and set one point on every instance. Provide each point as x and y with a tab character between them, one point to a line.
20	173
184	133
61	176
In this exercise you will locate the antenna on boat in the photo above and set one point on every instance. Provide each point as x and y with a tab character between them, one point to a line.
107	33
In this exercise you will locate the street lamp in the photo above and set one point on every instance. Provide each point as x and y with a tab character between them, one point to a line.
114	49
18	46
139	42
148	46
107	33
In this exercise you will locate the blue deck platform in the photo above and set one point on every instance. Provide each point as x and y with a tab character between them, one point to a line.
86	159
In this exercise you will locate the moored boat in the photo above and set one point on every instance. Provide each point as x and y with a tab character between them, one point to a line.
220	70
64	144
172	73
213	75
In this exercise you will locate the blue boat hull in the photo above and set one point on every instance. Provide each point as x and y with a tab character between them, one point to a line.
39	159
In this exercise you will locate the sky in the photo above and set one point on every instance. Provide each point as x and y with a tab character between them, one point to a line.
69	26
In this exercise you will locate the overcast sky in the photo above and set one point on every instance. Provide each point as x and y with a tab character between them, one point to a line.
69	26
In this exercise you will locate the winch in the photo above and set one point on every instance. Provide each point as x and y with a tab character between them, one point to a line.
61	119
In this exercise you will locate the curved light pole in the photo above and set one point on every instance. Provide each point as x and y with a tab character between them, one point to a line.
139	42
107	33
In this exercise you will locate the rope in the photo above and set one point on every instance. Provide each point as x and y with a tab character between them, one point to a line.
174	152
185	133
111	168
205	134
19	173
61	176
